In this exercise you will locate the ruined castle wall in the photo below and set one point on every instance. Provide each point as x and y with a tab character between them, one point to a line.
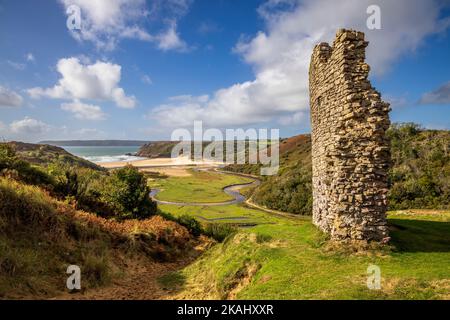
350	152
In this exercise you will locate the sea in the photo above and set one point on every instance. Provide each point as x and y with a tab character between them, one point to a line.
105	154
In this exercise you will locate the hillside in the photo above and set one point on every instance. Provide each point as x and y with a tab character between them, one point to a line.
420	176
291	259
44	154
40	237
157	149
53	215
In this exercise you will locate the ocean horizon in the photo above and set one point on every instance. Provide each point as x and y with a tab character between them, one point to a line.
104	154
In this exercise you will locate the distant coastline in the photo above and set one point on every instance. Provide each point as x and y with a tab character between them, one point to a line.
95	143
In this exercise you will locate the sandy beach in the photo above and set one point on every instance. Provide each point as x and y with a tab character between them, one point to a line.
159	162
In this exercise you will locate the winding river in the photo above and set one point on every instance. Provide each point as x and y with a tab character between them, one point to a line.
232	190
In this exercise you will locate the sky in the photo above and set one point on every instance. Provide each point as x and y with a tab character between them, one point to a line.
140	69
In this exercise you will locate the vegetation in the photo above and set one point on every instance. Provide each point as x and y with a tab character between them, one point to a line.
121	194
157	149
419	178
127	192
200	187
236	214
290	190
40	236
43	155
216	231
291	259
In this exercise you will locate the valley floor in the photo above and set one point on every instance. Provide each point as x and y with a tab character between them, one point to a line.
280	257
270	256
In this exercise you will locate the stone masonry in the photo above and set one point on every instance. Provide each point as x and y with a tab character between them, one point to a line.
350	152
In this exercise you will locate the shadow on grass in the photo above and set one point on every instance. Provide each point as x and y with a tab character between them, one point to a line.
173	281
419	235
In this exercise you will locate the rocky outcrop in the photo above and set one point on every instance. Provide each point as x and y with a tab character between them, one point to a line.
350	152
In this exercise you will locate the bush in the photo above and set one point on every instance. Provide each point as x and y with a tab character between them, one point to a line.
219	231
127	192
191	224
291	191
420	177
22	170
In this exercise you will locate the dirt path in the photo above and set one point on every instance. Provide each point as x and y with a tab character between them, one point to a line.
141	279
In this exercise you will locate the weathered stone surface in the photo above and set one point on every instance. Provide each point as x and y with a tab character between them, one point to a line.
350	152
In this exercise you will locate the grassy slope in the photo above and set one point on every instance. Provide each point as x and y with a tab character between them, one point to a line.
292	260
420	176
201	186
237	214
42	154
40	237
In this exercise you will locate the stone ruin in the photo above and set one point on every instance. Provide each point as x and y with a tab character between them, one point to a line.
350	151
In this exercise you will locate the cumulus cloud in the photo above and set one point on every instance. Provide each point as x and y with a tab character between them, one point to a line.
97	81
84	111
105	23
9	98
29	126
280	56
439	96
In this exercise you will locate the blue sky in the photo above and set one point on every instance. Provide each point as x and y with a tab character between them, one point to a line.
139	69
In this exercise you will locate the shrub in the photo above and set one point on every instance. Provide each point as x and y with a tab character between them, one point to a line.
291	191
420	177
127	192
219	231
191	224
22	170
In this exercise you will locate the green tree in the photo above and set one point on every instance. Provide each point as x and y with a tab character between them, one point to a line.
128	193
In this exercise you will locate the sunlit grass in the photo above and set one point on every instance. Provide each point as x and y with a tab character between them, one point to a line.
201	187
293	262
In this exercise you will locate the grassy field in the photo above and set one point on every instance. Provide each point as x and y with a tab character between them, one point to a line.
282	258
237	214
293	260
201	187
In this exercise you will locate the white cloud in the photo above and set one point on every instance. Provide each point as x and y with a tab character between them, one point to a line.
9	98
293	119
84	111
98	81
439	96
280	56
170	39
29	126
16	65
105	23
30	57
146	79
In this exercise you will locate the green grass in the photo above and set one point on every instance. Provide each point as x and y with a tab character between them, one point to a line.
283	258
292	260
222	214
201	187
